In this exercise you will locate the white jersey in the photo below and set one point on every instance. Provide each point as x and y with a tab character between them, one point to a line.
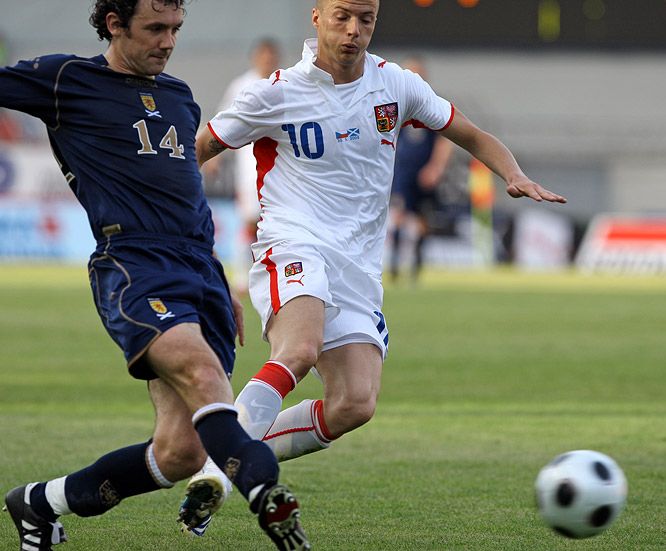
325	166
245	165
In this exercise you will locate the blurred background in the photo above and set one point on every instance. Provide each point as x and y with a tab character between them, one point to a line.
575	88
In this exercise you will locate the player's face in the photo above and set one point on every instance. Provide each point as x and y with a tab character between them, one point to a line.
146	45
344	29
266	60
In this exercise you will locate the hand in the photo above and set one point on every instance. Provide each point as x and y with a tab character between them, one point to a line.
524	187
238	316
428	177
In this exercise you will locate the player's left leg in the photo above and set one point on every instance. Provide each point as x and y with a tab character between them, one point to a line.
174	453
351	375
422	230
92	491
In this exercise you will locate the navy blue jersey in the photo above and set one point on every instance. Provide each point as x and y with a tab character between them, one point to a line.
413	151
124	143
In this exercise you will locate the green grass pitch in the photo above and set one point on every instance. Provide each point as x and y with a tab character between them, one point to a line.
489	376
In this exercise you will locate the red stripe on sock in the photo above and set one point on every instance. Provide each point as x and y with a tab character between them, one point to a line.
288	431
276	376
319	415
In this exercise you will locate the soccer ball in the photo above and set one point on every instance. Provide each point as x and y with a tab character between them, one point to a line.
581	493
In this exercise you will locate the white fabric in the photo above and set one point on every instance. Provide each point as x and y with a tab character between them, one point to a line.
245	165
346	91
330	189
155	471
351	296
296	432
55	495
212	408
258	405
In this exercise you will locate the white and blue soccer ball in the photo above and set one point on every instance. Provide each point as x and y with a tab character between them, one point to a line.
580	493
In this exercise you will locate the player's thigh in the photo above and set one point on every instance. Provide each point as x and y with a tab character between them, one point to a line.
351	373
283	273
296	332
182	358
177	447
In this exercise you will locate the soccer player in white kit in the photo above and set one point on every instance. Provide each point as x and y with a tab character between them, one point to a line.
324	134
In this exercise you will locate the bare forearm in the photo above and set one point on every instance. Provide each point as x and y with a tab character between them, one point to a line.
497	157
493	153
207	146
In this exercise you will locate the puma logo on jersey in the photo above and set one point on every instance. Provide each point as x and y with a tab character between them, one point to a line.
387	142
299	280
278	79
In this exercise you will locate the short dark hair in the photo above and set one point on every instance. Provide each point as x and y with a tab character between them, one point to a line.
124	9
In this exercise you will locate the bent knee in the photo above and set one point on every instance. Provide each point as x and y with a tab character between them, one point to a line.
346	415
178	461
300	358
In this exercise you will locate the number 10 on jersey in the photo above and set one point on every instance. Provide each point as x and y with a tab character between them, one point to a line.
309	132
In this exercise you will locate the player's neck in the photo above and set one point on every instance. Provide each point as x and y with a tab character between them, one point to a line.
342	74
119	64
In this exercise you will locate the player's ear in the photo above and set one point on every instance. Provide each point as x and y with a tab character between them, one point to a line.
315	18
114	24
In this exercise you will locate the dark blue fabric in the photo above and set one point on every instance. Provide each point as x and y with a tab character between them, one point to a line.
413	151
99	487
143	285
124	143
247	463
113	477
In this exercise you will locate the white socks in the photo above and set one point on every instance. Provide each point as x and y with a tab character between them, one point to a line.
258	405
298	431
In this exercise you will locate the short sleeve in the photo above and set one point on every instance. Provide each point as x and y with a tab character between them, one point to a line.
424	106
249	118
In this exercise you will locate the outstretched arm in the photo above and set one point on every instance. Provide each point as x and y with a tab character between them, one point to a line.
207	146
497	157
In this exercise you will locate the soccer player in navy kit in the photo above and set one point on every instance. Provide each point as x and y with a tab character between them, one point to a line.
421	159
123	133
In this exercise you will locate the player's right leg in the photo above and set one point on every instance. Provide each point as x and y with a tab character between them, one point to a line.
296	328
184	361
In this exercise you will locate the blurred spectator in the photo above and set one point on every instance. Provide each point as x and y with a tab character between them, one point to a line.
241	165
421	159
15	126
10	130
4	51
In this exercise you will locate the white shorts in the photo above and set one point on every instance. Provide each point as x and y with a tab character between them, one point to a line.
352	297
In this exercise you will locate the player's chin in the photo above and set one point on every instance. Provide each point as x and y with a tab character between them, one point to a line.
156	65
349	59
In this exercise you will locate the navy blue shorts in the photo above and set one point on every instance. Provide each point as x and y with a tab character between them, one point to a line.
145	284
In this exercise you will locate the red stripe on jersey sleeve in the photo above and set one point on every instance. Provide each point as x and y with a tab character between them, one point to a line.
418	124
453	111
272	273
415	123
210	127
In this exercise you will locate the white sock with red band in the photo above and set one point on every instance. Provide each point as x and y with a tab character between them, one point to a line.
299	430
260	401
